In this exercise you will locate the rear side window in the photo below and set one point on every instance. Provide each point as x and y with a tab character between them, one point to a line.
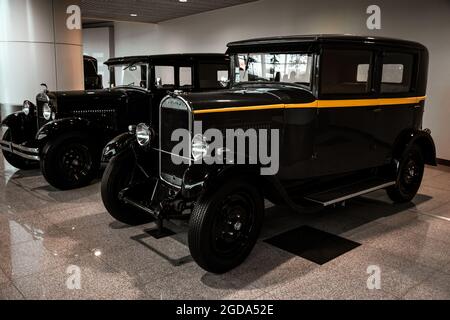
397	72
346	71
185	77
211	74
164	76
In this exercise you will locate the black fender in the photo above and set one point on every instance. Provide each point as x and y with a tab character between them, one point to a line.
198	179
73	124
118	145
422	138
23	127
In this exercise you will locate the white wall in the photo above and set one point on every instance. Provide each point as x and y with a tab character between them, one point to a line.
427	22
96	44
36	47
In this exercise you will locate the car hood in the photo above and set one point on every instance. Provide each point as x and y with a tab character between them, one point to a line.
249	97
87	99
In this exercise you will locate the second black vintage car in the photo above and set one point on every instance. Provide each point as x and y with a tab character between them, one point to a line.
346	117
66	131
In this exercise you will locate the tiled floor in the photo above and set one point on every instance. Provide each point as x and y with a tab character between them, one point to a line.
47	236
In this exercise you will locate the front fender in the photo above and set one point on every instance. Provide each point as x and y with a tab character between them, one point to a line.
22	127
200	177
59	126
118	145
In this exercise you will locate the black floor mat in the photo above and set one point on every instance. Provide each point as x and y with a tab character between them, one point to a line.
313	244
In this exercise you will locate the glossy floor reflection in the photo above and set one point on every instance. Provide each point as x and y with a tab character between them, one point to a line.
48	236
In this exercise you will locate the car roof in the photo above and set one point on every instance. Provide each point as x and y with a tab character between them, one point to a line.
321	38
167	57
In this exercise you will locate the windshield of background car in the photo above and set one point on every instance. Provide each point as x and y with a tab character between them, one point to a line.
293	68
134	75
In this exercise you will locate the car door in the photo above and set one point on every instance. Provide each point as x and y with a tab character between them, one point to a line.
347	106
399	104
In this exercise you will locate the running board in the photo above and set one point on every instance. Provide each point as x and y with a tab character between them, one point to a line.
345	192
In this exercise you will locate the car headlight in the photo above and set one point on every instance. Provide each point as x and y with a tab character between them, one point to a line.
46	111
26	107
143	134
200	147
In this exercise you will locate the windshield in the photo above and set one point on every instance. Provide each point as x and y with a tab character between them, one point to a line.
294	68
134	75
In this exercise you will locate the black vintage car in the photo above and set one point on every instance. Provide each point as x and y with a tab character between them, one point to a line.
347	113
66	131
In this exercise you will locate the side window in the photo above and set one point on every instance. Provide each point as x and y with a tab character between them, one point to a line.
164	76
345	71
211	74
397	72
185	77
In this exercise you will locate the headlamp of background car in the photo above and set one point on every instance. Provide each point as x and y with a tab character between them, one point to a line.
26	108
143	134
46	111
200	147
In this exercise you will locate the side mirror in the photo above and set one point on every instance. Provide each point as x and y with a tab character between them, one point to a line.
133	68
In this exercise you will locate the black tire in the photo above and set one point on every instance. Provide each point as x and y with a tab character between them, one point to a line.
117	177
70	161
409	176
225	225
15	160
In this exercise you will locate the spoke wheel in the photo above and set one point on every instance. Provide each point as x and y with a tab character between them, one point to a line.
70	161
76	162
225	225
409	176
119	175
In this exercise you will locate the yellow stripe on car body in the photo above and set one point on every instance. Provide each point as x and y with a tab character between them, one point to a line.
321	104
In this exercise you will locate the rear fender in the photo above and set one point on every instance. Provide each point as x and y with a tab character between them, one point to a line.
422	138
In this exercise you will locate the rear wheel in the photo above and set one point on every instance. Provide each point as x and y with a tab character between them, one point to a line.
409	176
118	176
15	160
70	161
225	225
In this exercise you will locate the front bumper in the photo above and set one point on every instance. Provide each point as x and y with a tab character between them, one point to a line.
20	150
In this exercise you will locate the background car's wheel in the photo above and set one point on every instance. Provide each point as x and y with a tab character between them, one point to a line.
409	176
15	160
117	176
70	161
225	225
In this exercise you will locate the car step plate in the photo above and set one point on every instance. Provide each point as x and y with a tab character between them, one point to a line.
345	192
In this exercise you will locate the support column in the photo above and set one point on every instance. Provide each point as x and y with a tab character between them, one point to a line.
37	47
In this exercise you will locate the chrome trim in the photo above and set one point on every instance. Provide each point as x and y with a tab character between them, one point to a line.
325	204
190	119
20	150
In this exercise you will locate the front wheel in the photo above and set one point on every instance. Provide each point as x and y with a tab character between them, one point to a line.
118	176
70	161
224	226
15	160
409	176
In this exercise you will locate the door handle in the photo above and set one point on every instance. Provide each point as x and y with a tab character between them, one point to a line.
377	110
